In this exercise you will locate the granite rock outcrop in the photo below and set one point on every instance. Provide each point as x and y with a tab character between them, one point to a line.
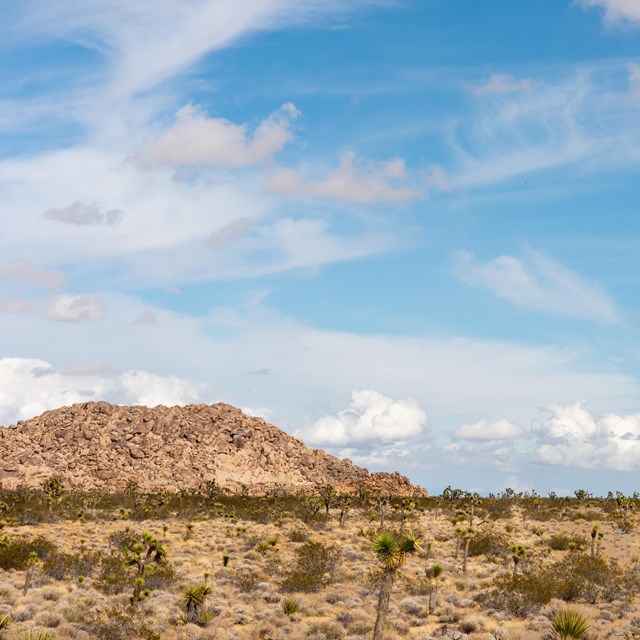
101	446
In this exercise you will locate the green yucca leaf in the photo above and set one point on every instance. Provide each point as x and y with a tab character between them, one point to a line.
569	624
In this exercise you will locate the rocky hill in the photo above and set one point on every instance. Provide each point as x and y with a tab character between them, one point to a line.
97	445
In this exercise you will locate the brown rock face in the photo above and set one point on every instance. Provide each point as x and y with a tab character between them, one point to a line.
97	445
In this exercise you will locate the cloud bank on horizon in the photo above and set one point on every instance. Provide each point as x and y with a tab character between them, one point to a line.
422	260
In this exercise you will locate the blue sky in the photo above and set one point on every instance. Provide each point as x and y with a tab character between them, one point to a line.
404	230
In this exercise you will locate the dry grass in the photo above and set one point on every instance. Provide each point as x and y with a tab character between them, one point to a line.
246	595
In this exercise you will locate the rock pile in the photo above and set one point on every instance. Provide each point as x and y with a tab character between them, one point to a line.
97	445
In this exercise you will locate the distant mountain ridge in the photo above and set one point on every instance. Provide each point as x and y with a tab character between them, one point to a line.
100	446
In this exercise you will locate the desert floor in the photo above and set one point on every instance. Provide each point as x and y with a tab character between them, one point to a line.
244	563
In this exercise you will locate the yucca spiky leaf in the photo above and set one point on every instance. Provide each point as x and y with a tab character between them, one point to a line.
568	624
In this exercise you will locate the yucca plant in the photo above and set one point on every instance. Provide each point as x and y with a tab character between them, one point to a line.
290	606
568	624
5	622
41	635
193	597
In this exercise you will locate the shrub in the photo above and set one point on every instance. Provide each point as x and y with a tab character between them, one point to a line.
561	542
15	553
489	543
245	581
298	535
576	578
60	565
116	624
113	577
313	569
325	631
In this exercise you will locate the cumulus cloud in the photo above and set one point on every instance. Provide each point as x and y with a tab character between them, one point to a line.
574	437
30	274
150	389
501	83
483	430
69	308
370	416
352	181
540	284
615	11
198	140
82	214
30	386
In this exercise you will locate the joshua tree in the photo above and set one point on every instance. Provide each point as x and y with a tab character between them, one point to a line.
140	554
406	507
599	544
33	563
518	552
53	489
433	574
344	504
467	535
392	552
328	495
382	508
594	537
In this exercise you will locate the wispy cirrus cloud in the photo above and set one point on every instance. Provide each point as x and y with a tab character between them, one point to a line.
146	43
539	284
581	118
500	83
354	180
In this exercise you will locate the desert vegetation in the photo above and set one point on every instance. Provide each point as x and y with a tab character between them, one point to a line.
208	565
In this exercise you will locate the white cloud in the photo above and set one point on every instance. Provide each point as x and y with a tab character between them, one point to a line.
352	181
150	389
222	237
634	79
69	308
370	416
15	306
560	124
147	42
31	274
500	83
499	430
249	231
84	214
30	386
198	140
573	437
625	11
540	284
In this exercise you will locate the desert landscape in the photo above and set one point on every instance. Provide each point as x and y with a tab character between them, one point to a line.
274	561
